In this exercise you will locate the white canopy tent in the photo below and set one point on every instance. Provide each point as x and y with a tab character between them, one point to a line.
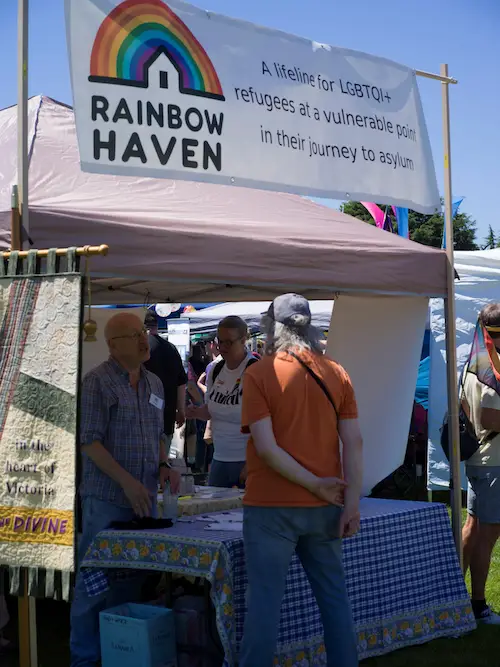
206	321
183	241
479	284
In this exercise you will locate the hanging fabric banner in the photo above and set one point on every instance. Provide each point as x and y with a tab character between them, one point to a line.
167	90
387	227
376	212
39	377
402	220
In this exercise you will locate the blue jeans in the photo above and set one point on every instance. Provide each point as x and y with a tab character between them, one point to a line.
225	474
271	536
84	639
201	448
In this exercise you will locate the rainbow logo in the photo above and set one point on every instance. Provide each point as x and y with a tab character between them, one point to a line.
135	34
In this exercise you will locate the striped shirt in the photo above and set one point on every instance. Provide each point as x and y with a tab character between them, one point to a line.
126	423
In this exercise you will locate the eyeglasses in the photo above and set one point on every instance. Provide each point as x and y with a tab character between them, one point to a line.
227	343
135	336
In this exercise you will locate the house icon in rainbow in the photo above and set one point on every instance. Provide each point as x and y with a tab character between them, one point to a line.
135	35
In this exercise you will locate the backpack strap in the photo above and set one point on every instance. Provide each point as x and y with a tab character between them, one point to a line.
220	365
318	381
217	369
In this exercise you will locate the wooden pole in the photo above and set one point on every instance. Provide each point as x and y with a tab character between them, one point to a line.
451	343
22	111
26	605
86	251
15	221
436	77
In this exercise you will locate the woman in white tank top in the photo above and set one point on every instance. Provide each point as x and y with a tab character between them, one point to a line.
223	404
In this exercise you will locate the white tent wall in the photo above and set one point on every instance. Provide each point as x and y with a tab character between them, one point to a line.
479	284
378	340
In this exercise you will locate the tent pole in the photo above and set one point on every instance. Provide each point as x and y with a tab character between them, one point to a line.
15	223
436	77
26	604
22	111
451	345
83	251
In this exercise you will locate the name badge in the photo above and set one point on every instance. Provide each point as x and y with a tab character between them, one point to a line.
157	401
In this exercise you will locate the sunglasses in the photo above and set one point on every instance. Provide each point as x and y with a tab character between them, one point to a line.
135	336
227	343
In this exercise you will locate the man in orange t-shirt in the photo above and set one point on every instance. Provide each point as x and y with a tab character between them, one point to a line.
302	495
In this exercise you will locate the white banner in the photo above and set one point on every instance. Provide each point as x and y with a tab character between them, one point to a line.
386	392
179	335
168	90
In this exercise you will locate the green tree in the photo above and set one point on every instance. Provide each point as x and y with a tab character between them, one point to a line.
427	229
357	210
490	241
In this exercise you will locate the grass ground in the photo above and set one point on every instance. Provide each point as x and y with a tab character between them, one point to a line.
478	649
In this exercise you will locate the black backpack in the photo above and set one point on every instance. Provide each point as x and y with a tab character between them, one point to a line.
469	444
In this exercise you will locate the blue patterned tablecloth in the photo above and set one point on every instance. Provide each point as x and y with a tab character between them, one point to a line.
403	578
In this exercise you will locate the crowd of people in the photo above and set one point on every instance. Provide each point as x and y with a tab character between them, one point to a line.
269	422
275	425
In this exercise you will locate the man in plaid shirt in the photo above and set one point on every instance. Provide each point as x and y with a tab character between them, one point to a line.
124	458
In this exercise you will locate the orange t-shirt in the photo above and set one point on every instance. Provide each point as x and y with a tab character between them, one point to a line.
304	423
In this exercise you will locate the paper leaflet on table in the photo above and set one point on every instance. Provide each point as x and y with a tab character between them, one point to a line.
235	527
222	517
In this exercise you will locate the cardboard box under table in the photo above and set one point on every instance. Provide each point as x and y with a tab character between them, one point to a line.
403	578
137	635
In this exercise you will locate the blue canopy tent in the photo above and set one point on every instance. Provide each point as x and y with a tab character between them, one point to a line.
422	389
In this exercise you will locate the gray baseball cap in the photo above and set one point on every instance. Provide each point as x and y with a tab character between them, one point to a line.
284	307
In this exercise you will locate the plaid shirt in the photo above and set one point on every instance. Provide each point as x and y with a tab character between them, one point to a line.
126	423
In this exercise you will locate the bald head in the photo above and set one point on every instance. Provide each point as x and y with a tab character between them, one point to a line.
127	340
120	324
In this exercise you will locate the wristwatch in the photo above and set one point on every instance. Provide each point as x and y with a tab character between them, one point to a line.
165	464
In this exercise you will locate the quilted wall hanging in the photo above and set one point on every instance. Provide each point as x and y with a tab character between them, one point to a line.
40	343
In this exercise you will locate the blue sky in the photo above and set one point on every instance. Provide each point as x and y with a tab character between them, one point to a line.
418	33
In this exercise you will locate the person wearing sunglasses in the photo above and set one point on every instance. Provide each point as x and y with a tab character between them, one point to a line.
223	400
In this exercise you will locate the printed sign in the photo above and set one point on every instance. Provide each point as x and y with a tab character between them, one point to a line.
178	335
164	89
39	358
